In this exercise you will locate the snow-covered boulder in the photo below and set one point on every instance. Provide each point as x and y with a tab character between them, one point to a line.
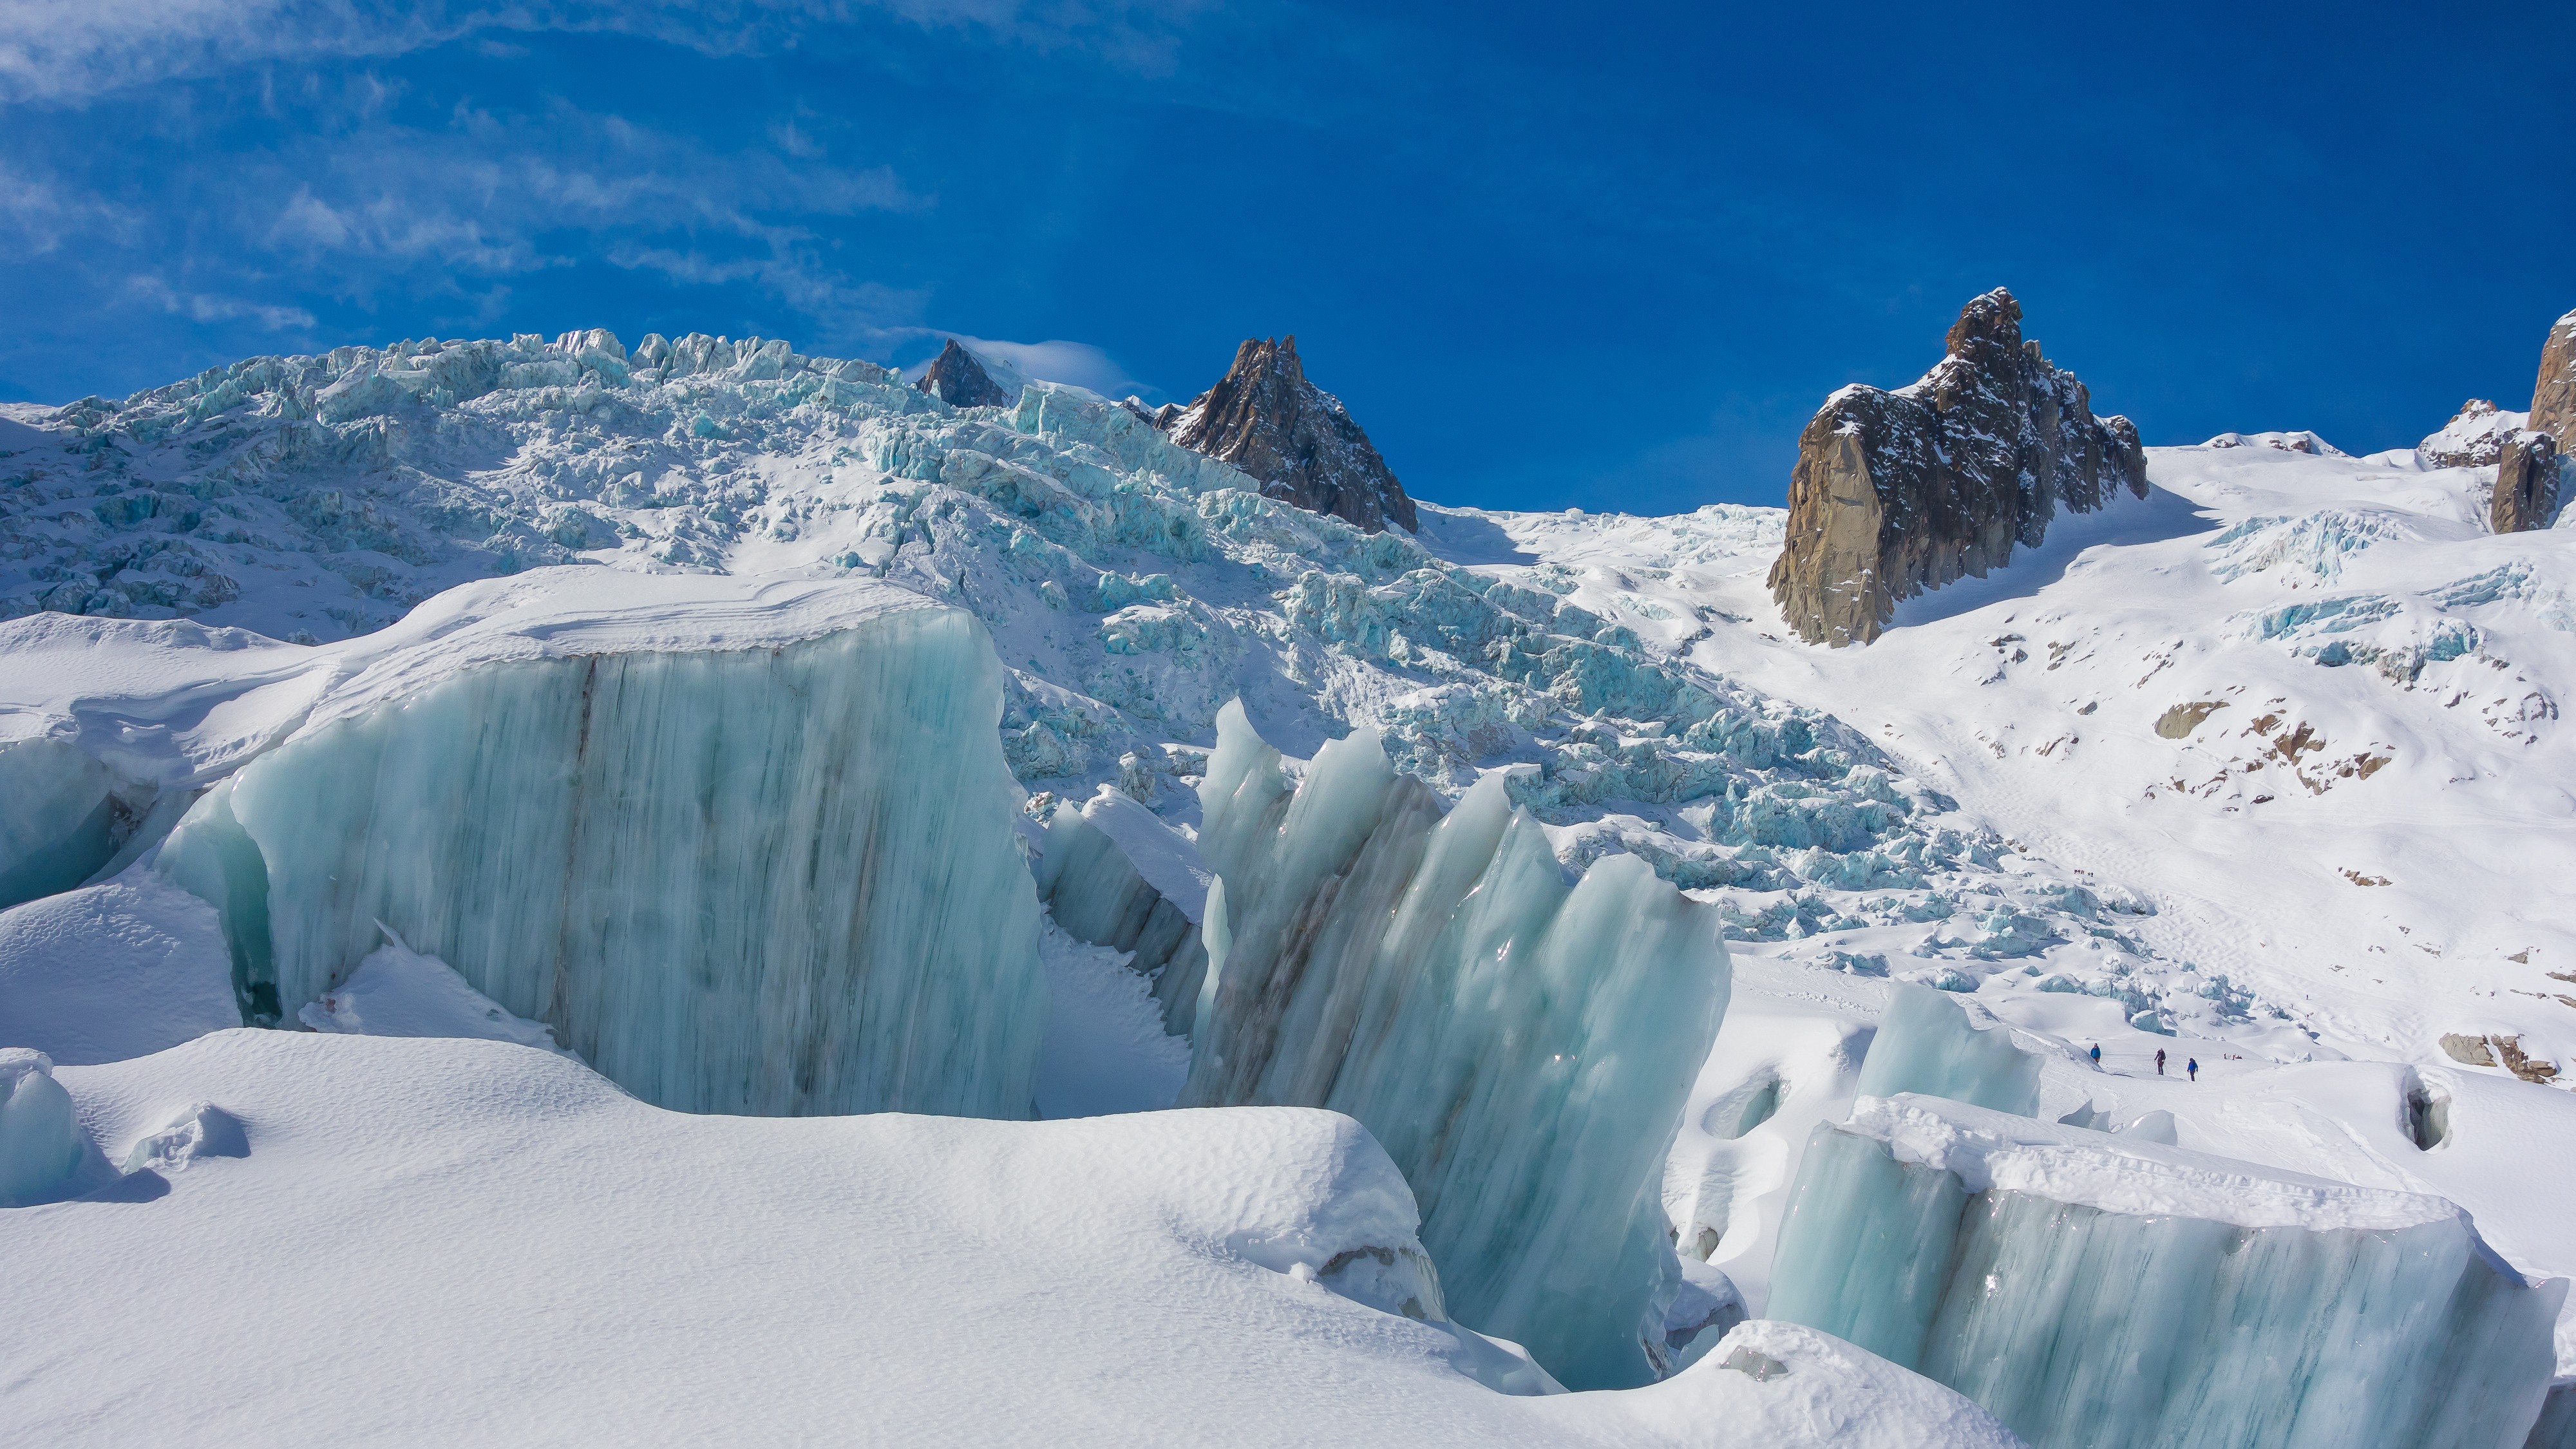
2109	1292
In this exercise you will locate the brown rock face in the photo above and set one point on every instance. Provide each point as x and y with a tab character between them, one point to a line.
1899	492
1265	418
2553	397
957	379
2526	490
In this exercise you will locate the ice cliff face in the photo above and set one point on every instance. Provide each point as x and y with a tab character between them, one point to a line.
1520	1045
1264	417
1899	492
744	849
2106	1291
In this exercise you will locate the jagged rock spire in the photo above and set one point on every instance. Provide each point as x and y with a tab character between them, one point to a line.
957	379
1898	492
1265	418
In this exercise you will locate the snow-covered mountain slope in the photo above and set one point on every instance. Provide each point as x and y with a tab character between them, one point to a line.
2303	702
444	1241
1131	585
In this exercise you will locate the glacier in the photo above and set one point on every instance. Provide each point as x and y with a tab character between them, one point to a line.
1521	1046
2109	1292
1927	1044
744	847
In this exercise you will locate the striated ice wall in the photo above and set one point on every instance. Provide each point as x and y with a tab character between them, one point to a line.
1521	1045
2110	1293
762	874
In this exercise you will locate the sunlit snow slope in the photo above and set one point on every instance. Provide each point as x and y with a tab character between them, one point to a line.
2304	702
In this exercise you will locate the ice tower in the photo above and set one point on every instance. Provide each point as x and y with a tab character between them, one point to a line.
1522	1045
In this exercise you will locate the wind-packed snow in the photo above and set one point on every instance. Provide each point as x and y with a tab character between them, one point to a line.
442	1241
1520	1043
2097	1290
113	971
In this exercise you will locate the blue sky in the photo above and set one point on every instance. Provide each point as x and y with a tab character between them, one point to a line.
1604	257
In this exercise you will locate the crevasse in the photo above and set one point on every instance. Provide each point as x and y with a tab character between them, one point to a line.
2099	1292
762	875
1520	1045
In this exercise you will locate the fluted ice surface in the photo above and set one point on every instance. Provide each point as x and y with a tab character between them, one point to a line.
1521	1045
2110	1293
740	863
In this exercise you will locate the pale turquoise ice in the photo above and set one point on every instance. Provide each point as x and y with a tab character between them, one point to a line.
56	818
2134	1296
779	880
1926	1044
1522	1046
41	1145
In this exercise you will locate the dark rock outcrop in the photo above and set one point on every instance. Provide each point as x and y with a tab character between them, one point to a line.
957	379
1898	492
1298	440
2553	397
2527	484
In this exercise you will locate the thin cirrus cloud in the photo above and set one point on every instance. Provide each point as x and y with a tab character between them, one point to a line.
69	50
206	307
1078	364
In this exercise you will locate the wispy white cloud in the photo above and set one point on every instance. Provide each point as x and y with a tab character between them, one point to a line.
206	307
1077	363
38	214
66	50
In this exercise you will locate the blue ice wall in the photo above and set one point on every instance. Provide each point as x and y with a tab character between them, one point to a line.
778	880
1520	1044
1926	1044
2095	1294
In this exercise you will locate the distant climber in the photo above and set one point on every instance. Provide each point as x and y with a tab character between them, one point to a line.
2193	1067
2160	1061
2097	1054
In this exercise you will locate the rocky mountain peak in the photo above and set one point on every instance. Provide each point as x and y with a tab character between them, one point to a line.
2473	438
958	378
1898	492
1298	440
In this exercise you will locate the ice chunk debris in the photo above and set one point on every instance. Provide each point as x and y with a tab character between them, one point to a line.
40	1137
1929	1044
2113	1293
201	1130
1522	1047
745	846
